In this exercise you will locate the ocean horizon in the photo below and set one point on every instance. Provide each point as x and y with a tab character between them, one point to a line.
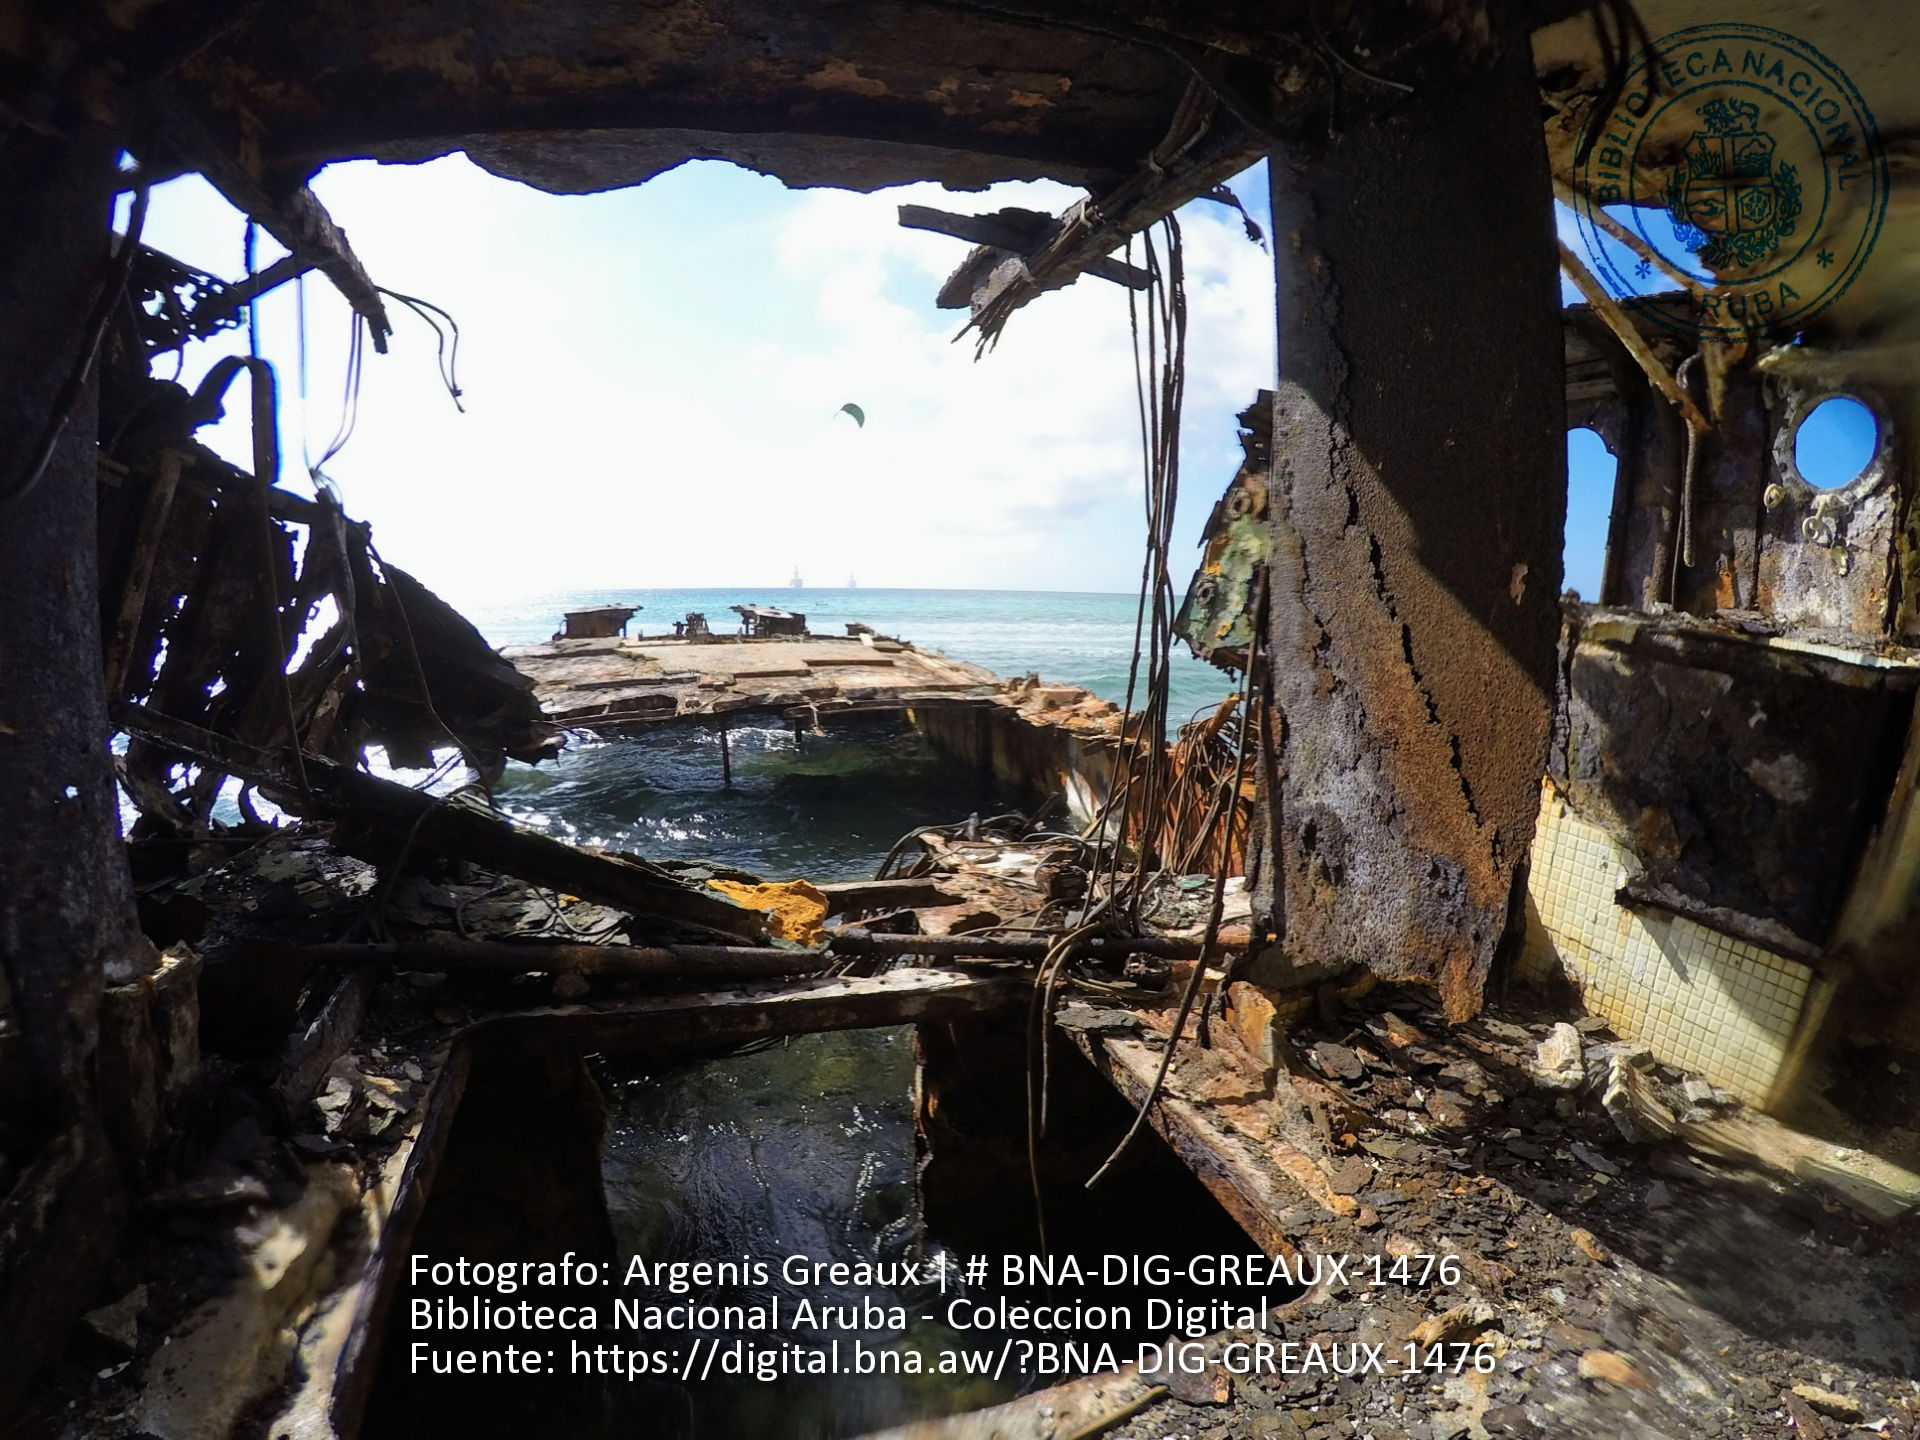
1066	637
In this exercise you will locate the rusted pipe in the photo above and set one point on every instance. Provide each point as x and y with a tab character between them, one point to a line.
1616	320
729	962
852	940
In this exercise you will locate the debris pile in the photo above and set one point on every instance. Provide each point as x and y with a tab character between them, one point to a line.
1625	1282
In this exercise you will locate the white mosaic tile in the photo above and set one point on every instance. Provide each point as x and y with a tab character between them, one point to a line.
1698	999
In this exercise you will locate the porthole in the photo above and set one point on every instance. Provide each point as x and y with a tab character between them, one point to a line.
1836	442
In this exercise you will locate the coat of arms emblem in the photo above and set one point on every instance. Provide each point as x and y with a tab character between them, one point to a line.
1731	204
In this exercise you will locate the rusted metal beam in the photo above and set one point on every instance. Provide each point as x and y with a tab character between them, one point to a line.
236	297
296	219
1608	309
1417	507
1204	146
438	825
920	890
1008	232
852	940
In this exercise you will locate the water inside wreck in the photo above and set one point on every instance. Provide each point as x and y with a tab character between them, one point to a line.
805	1145
1525	930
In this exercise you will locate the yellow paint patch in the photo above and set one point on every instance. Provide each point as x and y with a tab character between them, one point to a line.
795	910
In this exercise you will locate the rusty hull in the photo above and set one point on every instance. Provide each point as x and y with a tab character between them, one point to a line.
1742	772
1418	503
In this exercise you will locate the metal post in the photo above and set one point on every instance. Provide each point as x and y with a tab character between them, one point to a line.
1412	637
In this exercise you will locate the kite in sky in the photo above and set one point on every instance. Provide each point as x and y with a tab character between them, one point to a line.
859	415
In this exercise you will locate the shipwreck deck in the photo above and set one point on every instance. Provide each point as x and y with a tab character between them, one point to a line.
641	683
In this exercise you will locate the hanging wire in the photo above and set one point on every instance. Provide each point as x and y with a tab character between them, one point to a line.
252	259
448	353
447	359
301	365
1126	833
349	402
1210	936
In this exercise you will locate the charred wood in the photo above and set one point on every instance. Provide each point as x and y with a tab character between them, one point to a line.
388	818
625	962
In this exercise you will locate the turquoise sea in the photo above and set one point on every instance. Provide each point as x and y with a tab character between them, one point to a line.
1065	637
808	1146
826	807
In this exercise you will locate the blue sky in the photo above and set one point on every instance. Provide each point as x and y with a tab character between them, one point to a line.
653	380
1833	444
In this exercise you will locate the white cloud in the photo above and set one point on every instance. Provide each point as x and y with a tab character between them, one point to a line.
654	379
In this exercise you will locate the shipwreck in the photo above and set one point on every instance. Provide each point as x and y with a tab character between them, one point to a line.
1576	941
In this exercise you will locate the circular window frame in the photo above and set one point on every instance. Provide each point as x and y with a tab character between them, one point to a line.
1873	475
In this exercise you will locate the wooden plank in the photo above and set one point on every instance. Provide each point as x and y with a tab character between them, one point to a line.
1010	229
1014	231
311	1052
340	1346
146	550
1628	334
1876	1188
1202	149
1249	1188
723	1018
632	962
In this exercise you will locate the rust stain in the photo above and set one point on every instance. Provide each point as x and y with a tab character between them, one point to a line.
843	75
444	56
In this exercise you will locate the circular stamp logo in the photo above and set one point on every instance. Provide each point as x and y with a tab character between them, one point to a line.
1746	160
